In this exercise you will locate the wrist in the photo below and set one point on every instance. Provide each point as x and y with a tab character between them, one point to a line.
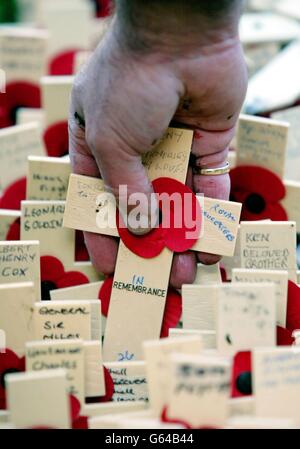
149	27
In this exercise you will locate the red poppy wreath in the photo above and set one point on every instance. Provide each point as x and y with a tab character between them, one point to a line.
260	191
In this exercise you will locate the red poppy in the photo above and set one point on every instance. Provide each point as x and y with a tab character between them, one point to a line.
165	419
260	191
241	384
284	337
173	230
78	421
63	63
54	276
18	94
13	195
103	7
81	423
293	307
14	231
105	294
172	312
56	139
224	274
81	252
241	380
9	363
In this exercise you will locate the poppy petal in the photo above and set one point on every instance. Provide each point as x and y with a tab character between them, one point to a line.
72	278
14	231
274	212
63	63
284	337
250	185
146	246
164	418
173	233
255	179
74	407
9	360
172	313
293	307
22	364
13	195
56	139
105	294
103	7
224	274
81	252
183	219
18	94
51	269
241	375
2	402
80	423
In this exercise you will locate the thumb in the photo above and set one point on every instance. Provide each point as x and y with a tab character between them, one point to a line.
125	176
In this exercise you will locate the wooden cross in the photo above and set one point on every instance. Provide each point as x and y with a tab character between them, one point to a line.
242	314
135	317
39	399
280	280
20	262
276	382
47	178
273	144
158	375
197	383
130	381
81	359
56	92
56	320
17	306
269	246
7	218
23	53
16	144
43	221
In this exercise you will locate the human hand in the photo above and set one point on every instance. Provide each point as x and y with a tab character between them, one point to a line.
128	98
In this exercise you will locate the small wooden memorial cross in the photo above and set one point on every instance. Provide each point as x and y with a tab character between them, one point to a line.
135	315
